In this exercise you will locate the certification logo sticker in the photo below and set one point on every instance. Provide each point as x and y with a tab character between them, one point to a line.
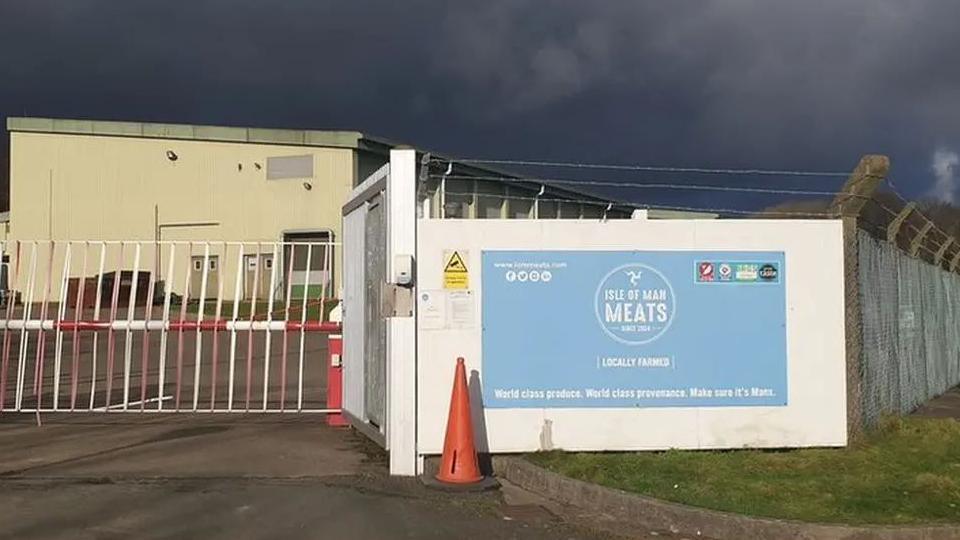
768	272
635	304
705	271
747	272
725	271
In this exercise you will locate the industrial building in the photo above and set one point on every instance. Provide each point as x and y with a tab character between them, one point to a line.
90	180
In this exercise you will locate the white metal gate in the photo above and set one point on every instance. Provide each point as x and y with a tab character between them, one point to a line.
375	338
365	339
379	370
142	326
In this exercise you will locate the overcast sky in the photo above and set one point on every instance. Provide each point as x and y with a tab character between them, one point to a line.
809	84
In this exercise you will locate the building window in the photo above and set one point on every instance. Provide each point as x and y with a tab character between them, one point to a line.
489	200
569	211
457	196
519	204
546	210
283	167
593	211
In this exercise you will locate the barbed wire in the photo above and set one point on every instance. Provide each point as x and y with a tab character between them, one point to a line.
938	237
922	246
916	210
614	204
638	185
893	188
648	168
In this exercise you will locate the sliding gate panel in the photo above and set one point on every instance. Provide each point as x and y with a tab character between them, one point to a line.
375	360
379	232
141	326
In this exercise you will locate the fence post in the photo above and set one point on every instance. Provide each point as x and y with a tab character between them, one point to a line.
955	261
848	205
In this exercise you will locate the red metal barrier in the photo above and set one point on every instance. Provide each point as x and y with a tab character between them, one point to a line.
90	312
335	381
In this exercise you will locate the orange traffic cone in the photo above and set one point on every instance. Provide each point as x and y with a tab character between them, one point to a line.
459	464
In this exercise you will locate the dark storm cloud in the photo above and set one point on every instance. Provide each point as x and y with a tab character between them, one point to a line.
810	84
799	82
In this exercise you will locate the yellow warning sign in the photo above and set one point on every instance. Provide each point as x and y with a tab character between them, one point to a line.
455	273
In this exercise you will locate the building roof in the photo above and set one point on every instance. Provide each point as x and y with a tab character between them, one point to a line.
291	137
287	137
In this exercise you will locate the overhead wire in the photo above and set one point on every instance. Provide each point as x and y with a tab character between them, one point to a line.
686	187
716	210
896	192
648	168
639	185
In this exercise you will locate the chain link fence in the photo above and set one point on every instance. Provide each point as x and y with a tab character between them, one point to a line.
911	338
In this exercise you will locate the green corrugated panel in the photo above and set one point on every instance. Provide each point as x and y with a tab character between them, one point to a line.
73	126
220	133
275	136
124	129
29	124
168	131
345	139
335	139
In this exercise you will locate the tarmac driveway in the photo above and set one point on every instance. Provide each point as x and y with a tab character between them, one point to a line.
122	476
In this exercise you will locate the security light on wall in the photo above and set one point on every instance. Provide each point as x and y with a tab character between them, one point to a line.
172	156
307	186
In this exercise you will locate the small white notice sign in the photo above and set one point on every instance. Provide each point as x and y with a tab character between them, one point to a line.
432	310
439	309
461	308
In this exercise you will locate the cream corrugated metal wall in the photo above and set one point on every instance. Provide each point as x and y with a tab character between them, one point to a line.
82	187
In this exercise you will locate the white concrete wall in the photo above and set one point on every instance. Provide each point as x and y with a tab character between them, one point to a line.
814	415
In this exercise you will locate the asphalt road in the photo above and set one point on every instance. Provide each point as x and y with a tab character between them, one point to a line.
141	475
354	508
209	476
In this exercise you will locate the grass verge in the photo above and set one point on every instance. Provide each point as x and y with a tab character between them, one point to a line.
907	472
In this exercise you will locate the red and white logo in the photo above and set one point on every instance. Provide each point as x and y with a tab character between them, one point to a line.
706	271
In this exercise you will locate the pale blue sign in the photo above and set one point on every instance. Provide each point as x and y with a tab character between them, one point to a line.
569	329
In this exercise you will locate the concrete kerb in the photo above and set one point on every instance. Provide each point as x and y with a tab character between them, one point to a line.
651	513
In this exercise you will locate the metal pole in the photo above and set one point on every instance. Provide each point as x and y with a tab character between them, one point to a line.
156	239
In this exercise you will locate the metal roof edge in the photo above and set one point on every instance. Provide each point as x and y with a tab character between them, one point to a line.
151	130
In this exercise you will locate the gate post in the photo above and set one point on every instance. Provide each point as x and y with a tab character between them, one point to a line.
401	326
848	205
335	380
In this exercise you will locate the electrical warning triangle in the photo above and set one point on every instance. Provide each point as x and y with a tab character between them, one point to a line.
455	264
